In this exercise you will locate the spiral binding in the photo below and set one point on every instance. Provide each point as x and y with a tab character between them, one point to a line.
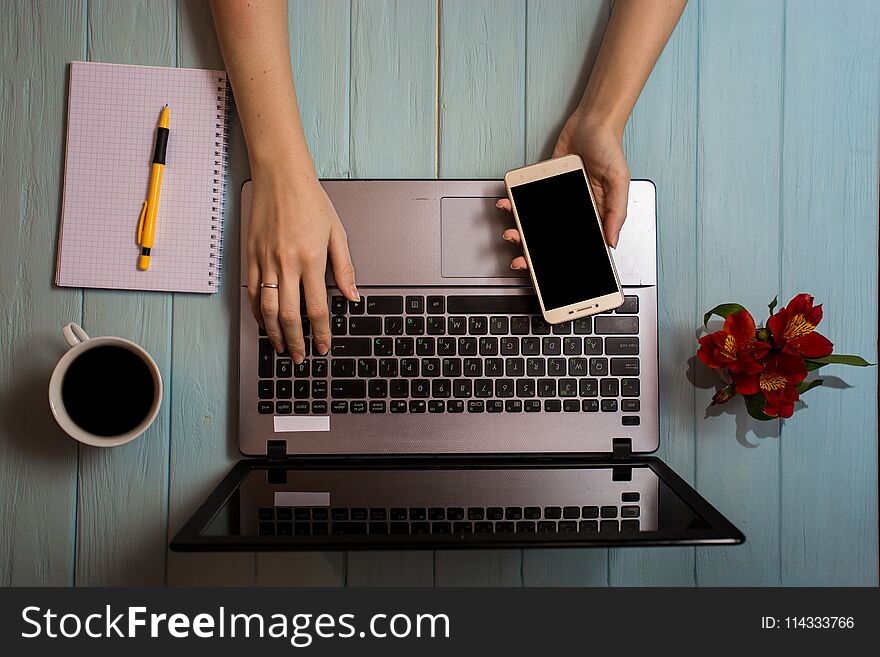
218	185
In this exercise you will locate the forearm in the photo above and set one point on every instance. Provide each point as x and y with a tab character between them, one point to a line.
635	36
254	40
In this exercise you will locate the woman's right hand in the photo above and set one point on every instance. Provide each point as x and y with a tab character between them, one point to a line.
293	227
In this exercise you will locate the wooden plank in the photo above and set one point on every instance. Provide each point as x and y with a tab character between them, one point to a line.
562	39
829	239
737	246
319	45
204	399
123	505
482	135
662	129
38	462
393	101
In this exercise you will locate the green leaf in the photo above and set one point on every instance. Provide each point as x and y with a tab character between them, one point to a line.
772	305
803	386
842	359
723	311
755	406
813	365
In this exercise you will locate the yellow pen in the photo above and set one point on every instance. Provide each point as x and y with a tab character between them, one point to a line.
146	231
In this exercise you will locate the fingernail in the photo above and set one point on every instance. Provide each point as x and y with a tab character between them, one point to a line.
298	358
498	203
353	291
322	348
279	349
515	268
505	237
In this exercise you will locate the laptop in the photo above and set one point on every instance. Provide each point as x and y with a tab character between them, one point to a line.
448	414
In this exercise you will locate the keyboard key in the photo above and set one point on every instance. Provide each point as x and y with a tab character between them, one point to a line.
629	525
455	406
452	367
475	406
483	388
630	420
622	346
398	388
352	347
319	407
588	526
457	326
494	406
431	367
552	406
577	367
455	513
301	389
415	305
583	326
488	346
348	389
609	387
536	367
357	307
570	512
513	406
551	346
398	514
388	367
425	346
436	305
552	512
299	408
338	325
589	512
567	526
556	366
319	389
494	513
624	366
394	326
525	388
539	326
462	528
348	528
338	305
446	346
267	529
532	405
590	405
494	366
499	325
399	527
571	405
629	512
630	388
609	405
473	367
283	368
532	513
404	346
476	513
519	325
384	305
630	305
514	367
436	513
478	325
365	326
589	387
546	527
409	367
513	513
483	528
415	325
418	513
608	512
358	406
562	329
592	346
492	304
302	370
530	346
467	346
504	388
616	324
339	407
266	389
319	368
436	406
546	387
420	388
509	346
630	497
598	367
343	367
378	528
462	388
568	388
266	514
377	406
441	528
383	347
435	326
366	367
572	346
377	389
418	406
266	358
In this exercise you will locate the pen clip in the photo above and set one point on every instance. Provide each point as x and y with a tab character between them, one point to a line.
140	228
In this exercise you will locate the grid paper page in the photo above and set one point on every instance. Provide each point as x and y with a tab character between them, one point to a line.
113	112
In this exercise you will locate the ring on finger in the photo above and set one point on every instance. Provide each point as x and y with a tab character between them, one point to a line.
273	286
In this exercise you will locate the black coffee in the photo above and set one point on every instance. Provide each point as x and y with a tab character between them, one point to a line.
108	390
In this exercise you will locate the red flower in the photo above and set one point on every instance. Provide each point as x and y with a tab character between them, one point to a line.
794	328
777	383
734	346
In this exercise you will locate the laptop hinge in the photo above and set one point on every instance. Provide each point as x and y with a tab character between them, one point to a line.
622	448
276	450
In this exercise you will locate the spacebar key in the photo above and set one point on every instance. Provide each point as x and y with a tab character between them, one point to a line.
348	389
499	304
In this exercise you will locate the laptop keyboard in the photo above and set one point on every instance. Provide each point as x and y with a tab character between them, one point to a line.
458	354
341	521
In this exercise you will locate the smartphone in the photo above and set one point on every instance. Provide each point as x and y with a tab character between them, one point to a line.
561	231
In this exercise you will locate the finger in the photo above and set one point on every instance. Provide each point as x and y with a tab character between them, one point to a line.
511	235
519	263
616	198
269	310
253	288
504	204
289	317
316	308
340	262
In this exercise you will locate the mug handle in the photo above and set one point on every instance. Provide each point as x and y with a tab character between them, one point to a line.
74	334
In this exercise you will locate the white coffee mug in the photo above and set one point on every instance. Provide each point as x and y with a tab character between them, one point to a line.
80	342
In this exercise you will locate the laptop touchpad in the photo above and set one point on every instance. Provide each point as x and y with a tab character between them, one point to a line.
471	243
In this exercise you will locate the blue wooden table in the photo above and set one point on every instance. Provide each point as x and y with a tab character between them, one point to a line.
759	126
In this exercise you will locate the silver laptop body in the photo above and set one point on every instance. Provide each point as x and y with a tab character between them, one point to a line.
426	240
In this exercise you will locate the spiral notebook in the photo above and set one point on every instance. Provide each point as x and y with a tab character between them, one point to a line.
112	116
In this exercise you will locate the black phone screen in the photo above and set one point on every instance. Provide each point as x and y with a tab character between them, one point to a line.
565	243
